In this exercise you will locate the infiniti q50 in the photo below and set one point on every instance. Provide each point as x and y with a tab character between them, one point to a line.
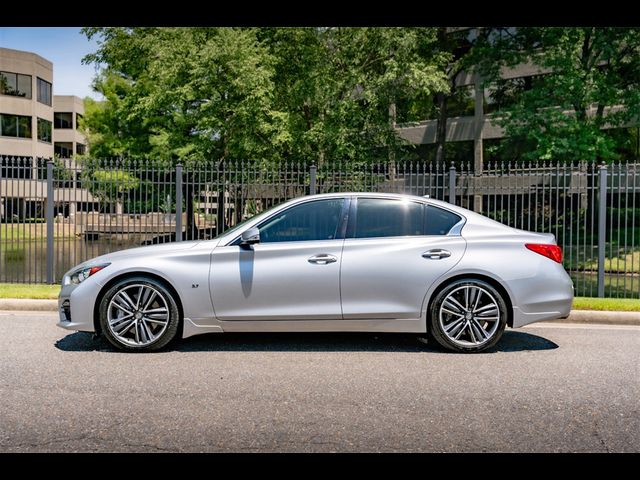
335	262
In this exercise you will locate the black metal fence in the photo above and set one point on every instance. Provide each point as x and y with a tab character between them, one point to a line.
99	206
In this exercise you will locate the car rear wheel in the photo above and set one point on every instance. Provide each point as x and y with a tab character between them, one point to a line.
467	315
139	314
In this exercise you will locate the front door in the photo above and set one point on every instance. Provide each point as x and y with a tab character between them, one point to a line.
292	274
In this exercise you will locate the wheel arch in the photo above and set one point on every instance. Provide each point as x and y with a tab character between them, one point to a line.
123	276
495	283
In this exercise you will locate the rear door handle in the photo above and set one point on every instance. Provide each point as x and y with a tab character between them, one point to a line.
436	254
322	259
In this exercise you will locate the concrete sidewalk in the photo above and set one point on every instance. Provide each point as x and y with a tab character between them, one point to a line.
577	316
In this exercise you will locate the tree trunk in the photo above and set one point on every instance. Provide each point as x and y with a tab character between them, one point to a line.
600	115
441	127
392	153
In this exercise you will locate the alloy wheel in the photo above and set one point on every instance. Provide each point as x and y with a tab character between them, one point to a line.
138	315
469	316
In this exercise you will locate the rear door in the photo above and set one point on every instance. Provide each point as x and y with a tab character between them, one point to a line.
394	251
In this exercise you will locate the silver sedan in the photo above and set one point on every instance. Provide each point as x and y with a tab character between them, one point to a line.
348	262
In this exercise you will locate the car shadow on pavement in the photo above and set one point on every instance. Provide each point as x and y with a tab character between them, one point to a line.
511	341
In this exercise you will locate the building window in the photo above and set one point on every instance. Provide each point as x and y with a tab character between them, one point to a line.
15	126
16	167
15	84
62	120
44	91
81	148
63	149
44	130
78	121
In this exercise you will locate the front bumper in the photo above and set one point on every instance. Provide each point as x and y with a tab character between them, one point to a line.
75	305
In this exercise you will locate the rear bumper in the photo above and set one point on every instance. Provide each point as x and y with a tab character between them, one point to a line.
549	300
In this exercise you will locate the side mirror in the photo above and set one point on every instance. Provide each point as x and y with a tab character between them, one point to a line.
250	236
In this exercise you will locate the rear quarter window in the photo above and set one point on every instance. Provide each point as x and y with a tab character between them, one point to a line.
439	221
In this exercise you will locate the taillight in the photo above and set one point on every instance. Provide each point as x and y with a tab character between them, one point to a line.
554	252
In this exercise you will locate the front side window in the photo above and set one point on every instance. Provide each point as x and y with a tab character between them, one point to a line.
81	148
44	130
317	220
15	126
44	92
381	217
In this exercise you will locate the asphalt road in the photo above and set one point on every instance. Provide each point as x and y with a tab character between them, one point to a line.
543	388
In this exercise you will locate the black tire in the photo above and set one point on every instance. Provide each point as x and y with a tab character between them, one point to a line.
465	344
165	332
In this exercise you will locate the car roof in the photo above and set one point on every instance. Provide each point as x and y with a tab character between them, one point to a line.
399	196
471	217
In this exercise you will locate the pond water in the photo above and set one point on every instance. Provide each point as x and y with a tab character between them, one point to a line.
26	262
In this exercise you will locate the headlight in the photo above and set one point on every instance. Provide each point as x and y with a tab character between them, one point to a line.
81	275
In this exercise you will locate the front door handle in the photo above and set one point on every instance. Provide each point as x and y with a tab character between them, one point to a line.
436	254
322	259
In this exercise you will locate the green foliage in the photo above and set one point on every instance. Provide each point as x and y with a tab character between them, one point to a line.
315	94
109	184
589	80
305	94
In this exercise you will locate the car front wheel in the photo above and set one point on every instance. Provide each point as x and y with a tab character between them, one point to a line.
467	315
139	314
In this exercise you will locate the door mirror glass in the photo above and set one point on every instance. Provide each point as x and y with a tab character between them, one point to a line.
250	236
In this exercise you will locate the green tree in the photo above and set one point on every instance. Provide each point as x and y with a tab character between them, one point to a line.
341	92
183	93
264	95
589	80
304	94
456	46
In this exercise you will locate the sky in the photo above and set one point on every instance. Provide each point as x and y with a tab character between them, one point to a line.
64	47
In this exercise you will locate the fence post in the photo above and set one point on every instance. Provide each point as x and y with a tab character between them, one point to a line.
312	179
452	185
179	202
49	220
602	225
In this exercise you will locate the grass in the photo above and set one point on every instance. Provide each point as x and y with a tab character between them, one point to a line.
619	304
20	232
24	290
20	290
625	263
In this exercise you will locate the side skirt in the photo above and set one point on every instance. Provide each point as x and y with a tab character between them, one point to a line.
405	325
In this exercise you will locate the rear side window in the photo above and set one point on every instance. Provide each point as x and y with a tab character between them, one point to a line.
380	217
439	221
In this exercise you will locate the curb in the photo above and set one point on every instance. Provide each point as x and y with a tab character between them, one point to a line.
605	317
28	304
576	316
